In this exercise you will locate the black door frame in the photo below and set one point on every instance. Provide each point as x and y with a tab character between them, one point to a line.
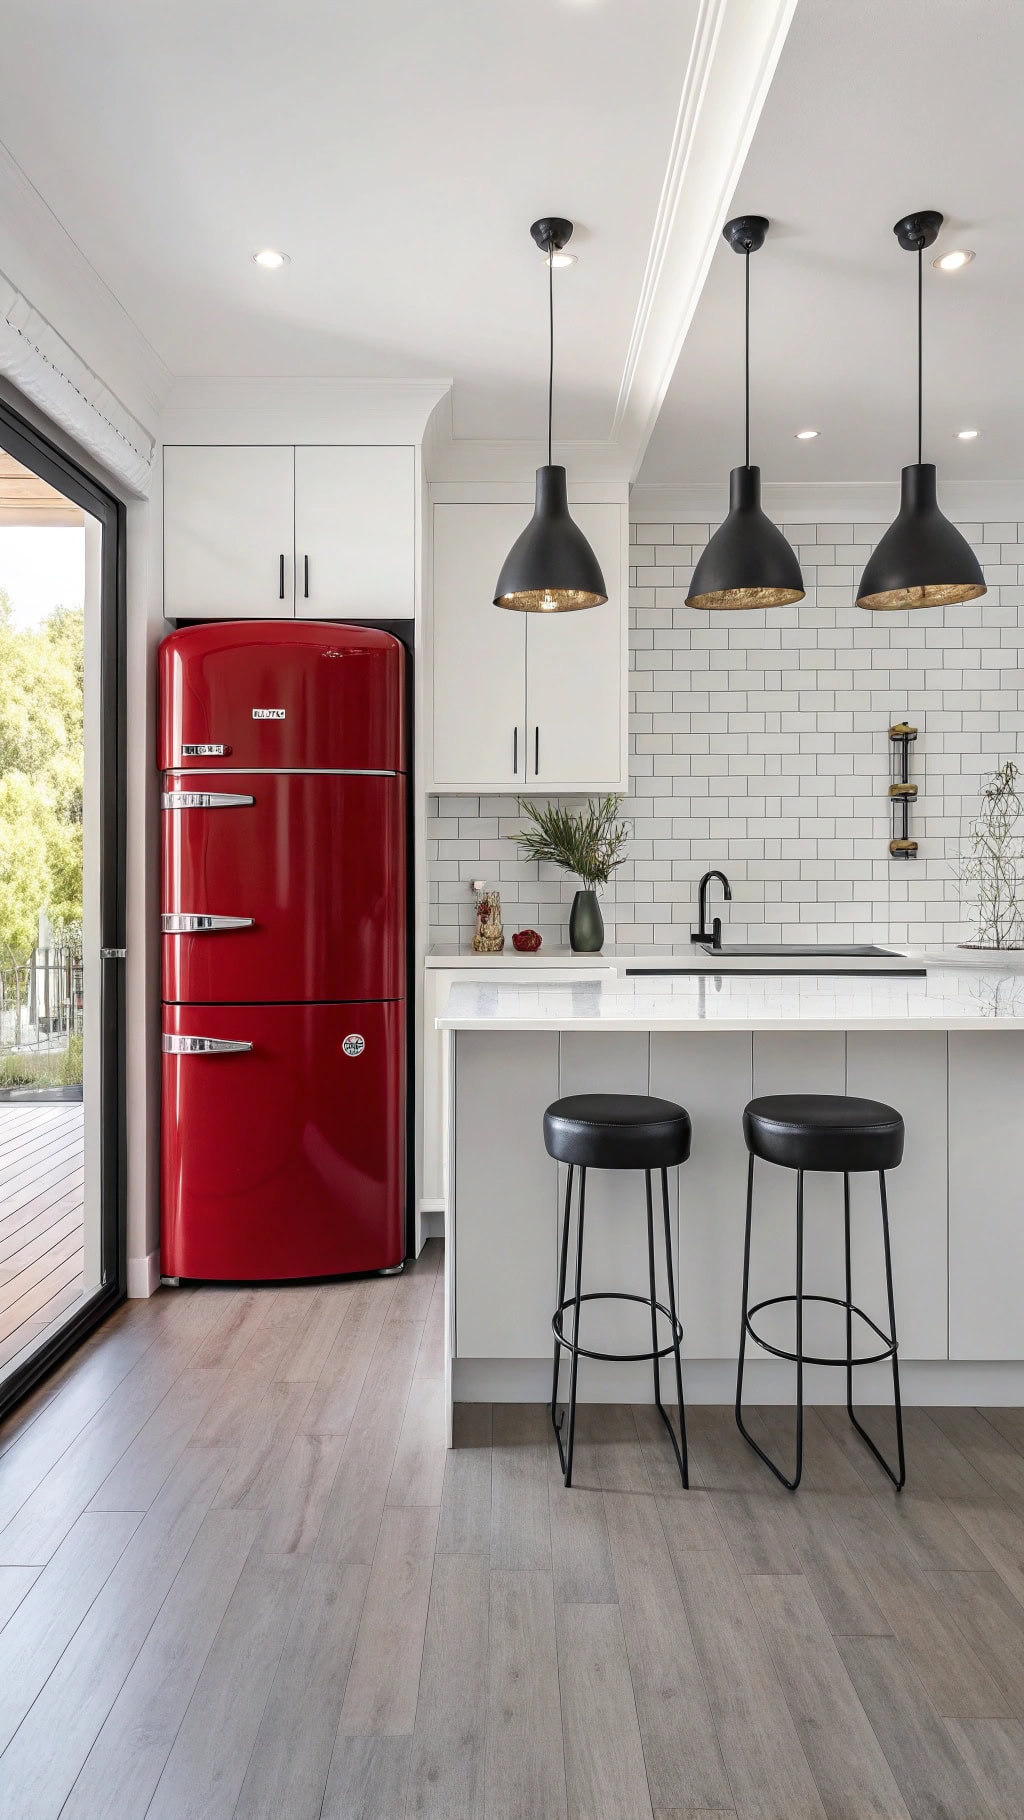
28	445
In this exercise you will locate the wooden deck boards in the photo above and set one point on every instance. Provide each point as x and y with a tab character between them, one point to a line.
41	1214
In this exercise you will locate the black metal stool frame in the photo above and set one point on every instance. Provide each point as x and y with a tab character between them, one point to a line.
890	1346
576	1351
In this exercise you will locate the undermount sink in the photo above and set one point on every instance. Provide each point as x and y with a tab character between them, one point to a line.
849	951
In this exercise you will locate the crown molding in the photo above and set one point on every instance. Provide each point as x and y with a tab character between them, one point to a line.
46	266
301	410
736	47
826	502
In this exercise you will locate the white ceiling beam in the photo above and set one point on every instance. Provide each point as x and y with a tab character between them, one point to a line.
735	51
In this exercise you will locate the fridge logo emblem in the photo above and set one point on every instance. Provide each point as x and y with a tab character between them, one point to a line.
354	1045
268	713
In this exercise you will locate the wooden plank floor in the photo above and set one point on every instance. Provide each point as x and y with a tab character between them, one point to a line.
240	1577
41	1206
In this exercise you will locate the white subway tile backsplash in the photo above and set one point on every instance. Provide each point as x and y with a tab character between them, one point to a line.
758	743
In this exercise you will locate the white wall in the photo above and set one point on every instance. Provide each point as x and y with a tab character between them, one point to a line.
759	743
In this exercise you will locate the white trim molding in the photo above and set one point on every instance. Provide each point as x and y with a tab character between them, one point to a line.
143	1276
736	47
825	502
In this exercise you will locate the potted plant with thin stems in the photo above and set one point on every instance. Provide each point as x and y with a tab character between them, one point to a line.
991	863
589	844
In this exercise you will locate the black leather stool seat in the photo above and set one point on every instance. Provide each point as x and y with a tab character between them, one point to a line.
827	1131
617	1131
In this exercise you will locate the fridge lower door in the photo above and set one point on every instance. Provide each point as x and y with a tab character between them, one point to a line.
283	1140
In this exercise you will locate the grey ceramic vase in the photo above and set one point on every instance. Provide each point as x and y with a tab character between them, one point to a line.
586	924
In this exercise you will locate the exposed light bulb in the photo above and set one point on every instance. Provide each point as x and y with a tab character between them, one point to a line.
549	604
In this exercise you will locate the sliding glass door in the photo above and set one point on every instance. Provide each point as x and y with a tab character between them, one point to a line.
61	904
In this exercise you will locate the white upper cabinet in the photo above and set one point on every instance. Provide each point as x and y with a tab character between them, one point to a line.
479	651
228	532
525	702
355	533
576	677
269	532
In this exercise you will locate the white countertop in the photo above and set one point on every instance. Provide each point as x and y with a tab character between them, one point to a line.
949	998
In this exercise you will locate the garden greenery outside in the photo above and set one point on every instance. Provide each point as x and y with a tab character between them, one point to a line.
41	784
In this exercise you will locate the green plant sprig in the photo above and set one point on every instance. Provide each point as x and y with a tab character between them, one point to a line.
590	843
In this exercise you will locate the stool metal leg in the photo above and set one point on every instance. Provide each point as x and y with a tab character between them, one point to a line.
899	1477
681	1456
566	1456
563	1260
790	1484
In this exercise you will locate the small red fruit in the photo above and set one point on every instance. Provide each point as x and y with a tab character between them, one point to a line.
526	941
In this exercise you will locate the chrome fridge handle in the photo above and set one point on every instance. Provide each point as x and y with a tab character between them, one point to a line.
204	799
203	1045
189	922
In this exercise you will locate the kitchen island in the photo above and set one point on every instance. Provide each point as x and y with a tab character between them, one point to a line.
946	1049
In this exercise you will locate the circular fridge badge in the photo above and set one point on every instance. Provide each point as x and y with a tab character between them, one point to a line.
354	1045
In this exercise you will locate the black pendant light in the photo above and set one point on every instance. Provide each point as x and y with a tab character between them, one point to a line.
923	560
748	562
550	568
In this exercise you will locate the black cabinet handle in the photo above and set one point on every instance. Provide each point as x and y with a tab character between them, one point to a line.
515	752
536	751
305	578
281	574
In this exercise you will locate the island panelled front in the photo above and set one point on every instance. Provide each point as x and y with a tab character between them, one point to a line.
957	1203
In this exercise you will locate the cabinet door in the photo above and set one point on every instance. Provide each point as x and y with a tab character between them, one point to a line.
355	533
229	532
505	1231
479	651
576	677
986	1233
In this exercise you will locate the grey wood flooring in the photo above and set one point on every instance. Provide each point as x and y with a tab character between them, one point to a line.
240	1577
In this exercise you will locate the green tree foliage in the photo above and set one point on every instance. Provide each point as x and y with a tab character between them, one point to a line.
41	774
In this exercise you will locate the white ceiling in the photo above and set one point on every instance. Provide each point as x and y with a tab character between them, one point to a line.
877	108
397	152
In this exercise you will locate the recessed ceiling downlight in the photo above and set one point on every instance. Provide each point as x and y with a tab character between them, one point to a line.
270	259
967	435
953	261
560	259
805	435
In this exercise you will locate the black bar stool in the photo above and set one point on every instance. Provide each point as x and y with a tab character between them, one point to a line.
837	1135
616	1131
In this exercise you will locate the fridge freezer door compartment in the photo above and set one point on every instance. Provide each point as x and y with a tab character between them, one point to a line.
319	861
282	693
285	1158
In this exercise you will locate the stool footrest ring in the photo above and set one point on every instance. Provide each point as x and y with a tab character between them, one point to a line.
615	1295
808	1358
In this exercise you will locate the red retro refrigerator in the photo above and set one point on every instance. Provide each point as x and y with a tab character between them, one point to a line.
282	748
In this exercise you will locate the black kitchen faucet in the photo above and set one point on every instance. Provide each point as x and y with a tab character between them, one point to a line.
702	933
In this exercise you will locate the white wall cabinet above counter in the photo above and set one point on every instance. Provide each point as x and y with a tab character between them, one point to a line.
275	531
528	702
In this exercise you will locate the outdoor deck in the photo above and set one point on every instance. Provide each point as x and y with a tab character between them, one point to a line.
41	1197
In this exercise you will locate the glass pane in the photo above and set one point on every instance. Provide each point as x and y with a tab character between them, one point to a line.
49	909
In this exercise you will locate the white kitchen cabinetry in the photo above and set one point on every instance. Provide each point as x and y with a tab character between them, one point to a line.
229	532
508	1246
532	702
355	533
274	531
986	1229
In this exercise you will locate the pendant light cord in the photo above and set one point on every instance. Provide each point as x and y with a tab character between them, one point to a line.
746	359
551	342
920	359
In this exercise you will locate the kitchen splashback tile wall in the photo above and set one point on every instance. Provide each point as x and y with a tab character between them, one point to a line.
758	743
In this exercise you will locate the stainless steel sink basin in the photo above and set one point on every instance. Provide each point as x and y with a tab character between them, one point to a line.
847	951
